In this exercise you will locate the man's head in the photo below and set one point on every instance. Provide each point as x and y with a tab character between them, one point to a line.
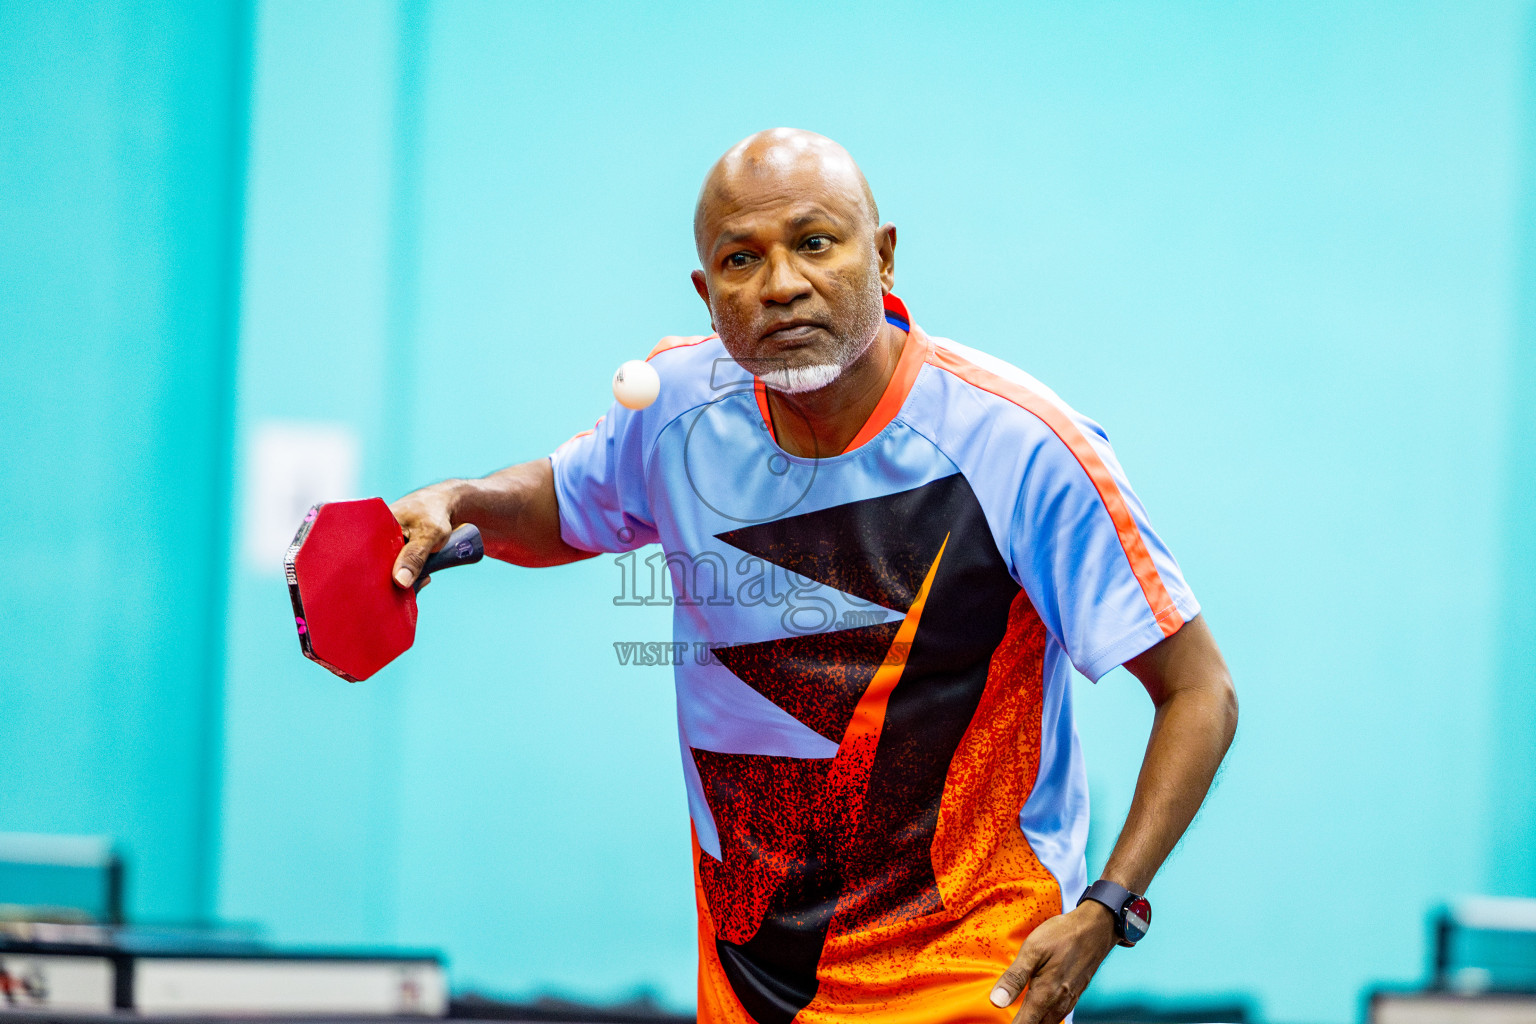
795	258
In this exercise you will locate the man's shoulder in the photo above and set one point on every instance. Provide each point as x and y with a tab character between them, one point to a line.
694	370
999	394
693	359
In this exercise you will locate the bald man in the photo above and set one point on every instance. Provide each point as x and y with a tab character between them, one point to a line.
887	551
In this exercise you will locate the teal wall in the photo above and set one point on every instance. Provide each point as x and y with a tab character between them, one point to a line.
1512	782
121	129
1272	248
311	781
1284	253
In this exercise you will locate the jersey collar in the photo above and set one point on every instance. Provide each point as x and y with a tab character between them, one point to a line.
913	354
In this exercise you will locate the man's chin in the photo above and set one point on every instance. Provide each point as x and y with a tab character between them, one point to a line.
798	380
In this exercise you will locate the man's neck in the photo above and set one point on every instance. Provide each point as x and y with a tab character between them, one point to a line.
821	423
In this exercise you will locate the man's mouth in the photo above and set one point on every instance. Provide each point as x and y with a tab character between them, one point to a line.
792	331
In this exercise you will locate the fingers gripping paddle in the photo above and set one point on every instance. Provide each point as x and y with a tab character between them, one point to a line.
351	616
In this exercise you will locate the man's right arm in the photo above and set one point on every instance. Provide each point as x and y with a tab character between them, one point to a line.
514	508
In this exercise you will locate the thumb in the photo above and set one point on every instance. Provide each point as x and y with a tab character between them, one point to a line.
1014	980
412	557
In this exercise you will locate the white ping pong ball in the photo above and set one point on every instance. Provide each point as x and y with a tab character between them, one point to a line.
636	384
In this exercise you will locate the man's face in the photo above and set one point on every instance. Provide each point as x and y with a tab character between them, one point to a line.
792	273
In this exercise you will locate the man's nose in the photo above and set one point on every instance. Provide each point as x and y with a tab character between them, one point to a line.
784	283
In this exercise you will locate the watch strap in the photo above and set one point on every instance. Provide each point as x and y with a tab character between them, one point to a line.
1117	897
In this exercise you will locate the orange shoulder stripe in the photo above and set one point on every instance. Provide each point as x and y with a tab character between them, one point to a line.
1131	541
678	341
581	434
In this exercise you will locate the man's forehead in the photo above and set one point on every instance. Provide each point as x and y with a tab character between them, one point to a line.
755	219
774	171
784	203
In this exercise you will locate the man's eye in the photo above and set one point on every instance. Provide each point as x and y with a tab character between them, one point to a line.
738	259
818	243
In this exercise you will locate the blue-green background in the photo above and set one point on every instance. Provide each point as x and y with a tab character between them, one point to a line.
1285	253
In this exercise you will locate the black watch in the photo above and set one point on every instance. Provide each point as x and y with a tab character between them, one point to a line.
1133	914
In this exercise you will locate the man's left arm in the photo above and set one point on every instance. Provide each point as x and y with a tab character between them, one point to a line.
1196	717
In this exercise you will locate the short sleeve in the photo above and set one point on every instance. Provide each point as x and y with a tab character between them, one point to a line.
1102	580
600	485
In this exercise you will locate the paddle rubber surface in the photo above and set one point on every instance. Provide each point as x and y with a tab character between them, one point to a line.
351	616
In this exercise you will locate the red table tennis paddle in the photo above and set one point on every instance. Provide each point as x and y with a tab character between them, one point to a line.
352	618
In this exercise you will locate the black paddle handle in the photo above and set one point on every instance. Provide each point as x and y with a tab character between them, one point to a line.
462	547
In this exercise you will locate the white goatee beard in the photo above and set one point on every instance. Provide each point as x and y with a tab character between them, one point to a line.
796	380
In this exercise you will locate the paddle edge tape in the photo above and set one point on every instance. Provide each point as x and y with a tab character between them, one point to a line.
291	574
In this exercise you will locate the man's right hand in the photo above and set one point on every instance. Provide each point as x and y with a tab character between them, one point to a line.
426	516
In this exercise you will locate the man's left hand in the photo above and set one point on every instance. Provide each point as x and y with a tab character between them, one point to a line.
1056	963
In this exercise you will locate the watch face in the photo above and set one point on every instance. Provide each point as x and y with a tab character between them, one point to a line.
1137	916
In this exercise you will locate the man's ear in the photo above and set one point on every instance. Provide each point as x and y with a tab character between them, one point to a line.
885	246
701	285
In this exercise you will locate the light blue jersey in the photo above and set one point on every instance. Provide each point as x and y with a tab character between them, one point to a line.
874	701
